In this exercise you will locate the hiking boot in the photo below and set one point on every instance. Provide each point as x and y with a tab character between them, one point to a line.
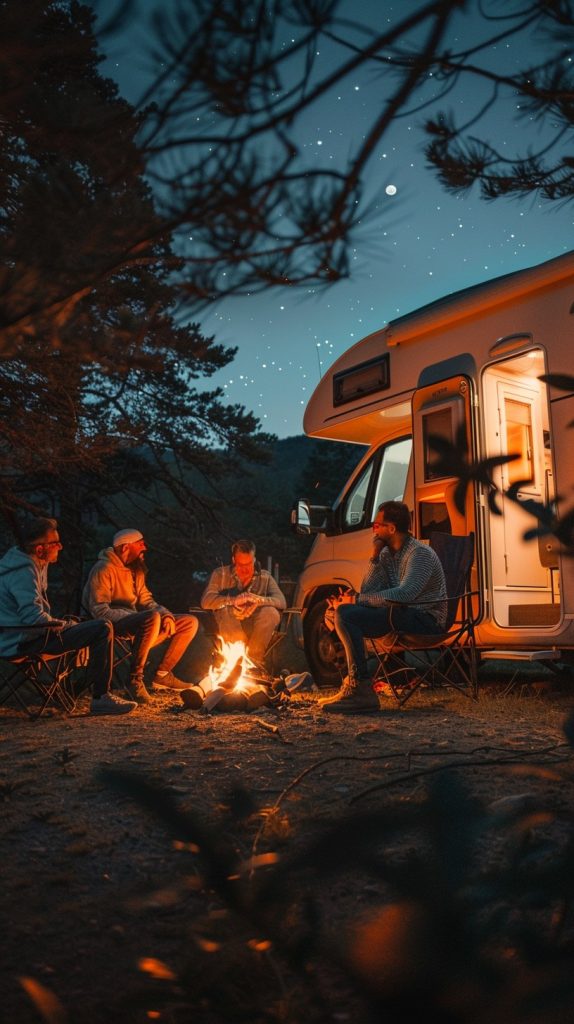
344	690
111	704
137	691
356	697
167	681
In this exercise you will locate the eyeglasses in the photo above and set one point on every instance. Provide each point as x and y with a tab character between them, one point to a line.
51	543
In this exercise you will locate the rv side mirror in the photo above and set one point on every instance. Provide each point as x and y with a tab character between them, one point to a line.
306	518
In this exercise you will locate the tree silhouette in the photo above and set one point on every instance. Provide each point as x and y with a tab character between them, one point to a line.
102	384
218	135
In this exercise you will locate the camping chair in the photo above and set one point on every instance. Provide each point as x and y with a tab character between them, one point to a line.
47	676
448	658
278	637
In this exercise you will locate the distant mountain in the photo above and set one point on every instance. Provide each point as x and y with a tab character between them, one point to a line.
299	467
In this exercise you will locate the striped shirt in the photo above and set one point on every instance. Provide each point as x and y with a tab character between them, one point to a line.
413	574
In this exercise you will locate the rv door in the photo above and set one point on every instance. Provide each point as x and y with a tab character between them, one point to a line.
443	440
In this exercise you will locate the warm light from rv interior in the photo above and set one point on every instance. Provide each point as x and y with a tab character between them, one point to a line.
519	442
397	412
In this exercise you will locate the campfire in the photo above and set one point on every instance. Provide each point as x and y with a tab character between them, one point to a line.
233	673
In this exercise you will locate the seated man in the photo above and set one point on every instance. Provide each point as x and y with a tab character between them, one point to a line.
246	601
24	602
401	569
116	591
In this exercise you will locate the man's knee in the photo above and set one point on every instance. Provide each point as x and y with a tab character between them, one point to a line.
101	630
267	618
344	613
187	625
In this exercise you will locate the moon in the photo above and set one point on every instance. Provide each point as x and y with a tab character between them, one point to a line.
391	190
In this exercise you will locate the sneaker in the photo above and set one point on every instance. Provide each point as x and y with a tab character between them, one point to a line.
299	681
137	691
168	681
111	704
356	697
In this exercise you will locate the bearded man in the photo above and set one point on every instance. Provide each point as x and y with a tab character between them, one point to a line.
116	590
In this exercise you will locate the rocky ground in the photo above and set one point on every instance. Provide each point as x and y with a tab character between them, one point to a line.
114	911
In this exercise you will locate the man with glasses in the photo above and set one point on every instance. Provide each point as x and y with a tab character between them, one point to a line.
24	603
246	601
401	569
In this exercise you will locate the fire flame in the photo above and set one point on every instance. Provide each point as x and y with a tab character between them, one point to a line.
232	657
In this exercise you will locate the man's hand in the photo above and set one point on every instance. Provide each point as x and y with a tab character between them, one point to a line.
168	625
245	604
344	596
378	545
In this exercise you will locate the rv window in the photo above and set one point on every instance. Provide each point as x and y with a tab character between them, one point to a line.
393	472
354	515
434	518
361	380
519	440
383	479
436	424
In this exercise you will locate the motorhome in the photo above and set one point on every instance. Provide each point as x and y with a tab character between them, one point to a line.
467	369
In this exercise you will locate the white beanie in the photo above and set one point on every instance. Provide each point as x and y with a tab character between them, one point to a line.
126	537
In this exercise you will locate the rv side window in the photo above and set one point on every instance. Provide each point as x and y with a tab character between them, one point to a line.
383	479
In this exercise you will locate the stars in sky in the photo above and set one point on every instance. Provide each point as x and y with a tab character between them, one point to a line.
418	244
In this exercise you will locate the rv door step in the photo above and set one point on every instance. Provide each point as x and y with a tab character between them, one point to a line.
551	655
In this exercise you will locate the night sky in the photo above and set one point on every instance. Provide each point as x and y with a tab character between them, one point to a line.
420	244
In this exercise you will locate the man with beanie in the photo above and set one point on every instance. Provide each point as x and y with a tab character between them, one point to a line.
116	591
24	603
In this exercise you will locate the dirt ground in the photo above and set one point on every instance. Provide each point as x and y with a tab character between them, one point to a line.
103	905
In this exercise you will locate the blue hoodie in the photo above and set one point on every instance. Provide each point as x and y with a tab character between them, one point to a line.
23	599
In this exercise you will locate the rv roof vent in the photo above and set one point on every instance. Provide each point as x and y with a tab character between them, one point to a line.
510	343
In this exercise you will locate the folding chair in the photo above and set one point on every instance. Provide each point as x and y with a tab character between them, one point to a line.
47	676
448	658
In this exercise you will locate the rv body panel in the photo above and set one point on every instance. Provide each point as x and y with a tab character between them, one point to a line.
465	369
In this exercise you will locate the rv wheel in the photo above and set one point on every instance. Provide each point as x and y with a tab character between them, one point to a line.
324	650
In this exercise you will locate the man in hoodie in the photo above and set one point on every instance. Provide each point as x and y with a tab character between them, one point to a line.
24	604
116	591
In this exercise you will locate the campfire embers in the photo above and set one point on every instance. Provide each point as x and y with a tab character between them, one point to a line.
233	684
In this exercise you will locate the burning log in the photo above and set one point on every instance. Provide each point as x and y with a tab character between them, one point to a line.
236	681
224	686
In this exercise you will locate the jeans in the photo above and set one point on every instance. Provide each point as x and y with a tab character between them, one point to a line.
355	622
96	635
255	631
144	630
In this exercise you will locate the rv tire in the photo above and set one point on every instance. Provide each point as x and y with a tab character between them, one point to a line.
323	649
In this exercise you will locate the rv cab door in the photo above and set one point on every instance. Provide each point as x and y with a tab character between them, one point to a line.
443	443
